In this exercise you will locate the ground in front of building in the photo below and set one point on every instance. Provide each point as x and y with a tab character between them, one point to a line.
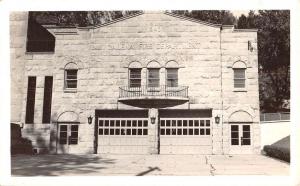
146	165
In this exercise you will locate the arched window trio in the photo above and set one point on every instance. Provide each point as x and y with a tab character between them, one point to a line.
153	74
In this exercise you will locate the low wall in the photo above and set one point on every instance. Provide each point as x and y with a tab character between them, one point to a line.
272	131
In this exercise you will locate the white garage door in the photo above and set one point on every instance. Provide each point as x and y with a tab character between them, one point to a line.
185	136
123	135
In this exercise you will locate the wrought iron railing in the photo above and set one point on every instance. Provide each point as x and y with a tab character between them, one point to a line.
280	116
161	91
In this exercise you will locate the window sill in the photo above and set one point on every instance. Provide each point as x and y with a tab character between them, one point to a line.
29	53
70	90
240	90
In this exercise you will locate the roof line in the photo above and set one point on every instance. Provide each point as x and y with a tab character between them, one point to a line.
142	12
193	19
245	30
113	21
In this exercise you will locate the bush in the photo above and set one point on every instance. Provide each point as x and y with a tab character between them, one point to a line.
19	145
281	153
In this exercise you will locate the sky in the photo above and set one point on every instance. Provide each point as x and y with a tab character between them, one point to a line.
238	13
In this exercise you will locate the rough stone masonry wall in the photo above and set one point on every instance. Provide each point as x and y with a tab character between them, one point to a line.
20	70
103	55
235	48
18	34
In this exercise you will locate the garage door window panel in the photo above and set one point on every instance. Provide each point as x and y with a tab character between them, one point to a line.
128	127
185	127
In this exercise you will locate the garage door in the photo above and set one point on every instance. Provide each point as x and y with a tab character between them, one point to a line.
123	135
185	136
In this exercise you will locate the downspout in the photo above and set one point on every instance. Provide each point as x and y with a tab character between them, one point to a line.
222	104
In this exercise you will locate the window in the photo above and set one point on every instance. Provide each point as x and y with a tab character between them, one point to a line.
68	134
71	78
129	127
184	127
153	77
172	77
47	99
29	118
234	135
135	77
239	78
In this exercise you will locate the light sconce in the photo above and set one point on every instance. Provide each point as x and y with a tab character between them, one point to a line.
90	119
217	119
152	120
152	115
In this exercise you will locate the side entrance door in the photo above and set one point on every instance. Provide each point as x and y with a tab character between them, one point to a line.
240	139
67	138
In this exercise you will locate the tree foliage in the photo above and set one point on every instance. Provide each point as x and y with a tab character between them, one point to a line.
224	17
273	55
80	18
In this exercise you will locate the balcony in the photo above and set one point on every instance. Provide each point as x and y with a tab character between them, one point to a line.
153	97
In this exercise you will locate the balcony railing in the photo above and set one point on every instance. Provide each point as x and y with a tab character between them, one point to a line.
161	91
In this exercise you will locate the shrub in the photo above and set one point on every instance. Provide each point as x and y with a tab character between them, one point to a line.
281	153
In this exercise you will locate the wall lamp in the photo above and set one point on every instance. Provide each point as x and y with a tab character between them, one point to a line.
217	119
90	119
152	115
152	120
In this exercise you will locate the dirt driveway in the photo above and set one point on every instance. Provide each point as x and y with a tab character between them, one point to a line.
144	165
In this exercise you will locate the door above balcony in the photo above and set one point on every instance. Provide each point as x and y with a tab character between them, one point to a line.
153	97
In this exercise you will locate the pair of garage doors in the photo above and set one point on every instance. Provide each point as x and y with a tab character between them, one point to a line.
129	135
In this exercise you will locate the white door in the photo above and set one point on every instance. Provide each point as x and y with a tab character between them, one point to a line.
185	136
123	135
240	139
67	138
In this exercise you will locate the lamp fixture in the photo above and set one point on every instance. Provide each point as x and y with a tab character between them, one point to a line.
152	120
217	119
90	119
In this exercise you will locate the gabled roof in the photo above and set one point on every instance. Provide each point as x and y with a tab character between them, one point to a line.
163	12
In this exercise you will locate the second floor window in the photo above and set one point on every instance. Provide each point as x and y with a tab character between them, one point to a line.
135	77
153	77
31	89
239	78
172	77
71	78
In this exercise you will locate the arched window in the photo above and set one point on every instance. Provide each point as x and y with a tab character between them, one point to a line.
135	74
172	74
239	74
153	74
70	71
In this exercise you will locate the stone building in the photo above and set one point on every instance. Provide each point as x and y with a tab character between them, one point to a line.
149	83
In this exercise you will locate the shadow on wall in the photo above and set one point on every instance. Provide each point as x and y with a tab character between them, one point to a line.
57	165
36	144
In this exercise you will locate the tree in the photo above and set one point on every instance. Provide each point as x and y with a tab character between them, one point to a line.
242	22
273	56
80	18
224	17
